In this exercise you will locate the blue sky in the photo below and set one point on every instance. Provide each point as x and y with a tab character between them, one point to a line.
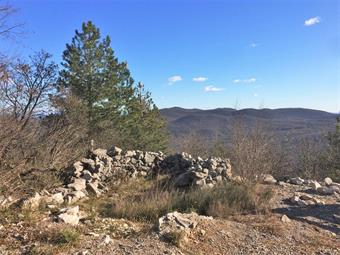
254	53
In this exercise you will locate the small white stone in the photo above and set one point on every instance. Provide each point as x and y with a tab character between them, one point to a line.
285	219
107	240
315	185
328	181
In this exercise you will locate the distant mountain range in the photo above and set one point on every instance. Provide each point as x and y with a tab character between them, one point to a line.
217	123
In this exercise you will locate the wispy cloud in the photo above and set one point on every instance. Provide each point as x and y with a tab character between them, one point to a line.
173	79
212	88
200	79
256	95
254	45
250	80
312	21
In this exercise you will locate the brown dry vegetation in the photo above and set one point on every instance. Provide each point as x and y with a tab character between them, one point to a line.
147	201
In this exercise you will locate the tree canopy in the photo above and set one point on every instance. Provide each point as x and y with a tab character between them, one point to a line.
117	110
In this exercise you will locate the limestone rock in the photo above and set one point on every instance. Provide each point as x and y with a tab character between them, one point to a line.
315	185
107	240
130	154
328	181
285	219
296	181
69	215
268	179
179	221
57	198
92	188
101	153
78	184
325	190
114	151
149	158
306	197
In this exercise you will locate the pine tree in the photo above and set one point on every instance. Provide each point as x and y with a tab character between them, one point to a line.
92	73
145	128
117	111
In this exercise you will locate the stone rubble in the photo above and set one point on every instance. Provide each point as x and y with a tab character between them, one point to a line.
175	221
88	177
328	188
69	215
305	200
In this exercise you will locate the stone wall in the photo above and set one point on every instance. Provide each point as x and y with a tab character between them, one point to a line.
90	175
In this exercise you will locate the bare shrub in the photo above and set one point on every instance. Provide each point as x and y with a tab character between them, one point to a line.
193	143
63	135
310	158
255	150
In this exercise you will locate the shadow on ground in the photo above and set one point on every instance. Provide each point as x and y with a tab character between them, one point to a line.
325	216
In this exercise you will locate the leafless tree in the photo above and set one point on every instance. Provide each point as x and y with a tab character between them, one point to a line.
8	28
24	90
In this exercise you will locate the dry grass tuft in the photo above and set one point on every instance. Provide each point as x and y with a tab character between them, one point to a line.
220	201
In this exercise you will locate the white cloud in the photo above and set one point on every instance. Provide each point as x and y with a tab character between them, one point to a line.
312	21
250	80
254	45
256	95
173	79
200	79
211	88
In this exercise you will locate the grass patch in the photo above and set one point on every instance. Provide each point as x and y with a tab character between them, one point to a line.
66	236
220	201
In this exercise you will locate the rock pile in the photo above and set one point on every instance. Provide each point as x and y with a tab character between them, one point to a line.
175	221
305	200
90	175
327	187
200	172
70	215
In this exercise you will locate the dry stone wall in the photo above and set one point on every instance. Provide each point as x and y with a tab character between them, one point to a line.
89	176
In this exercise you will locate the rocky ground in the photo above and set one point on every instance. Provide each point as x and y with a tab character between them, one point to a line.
311	229
304	215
